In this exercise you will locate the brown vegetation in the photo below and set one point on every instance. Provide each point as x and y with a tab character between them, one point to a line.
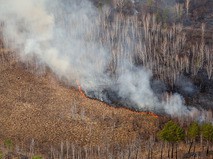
43	116
41	108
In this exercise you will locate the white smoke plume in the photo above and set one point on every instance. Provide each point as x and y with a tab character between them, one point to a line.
63	35
33	29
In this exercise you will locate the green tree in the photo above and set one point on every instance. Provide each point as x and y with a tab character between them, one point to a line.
36	157
193	132
171	133
165	16
149	3
207	132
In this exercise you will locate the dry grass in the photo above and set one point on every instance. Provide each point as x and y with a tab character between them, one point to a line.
40	107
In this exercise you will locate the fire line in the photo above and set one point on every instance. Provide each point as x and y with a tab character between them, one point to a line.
80	89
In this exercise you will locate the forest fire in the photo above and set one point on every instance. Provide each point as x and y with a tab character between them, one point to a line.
153	114
143	113
80	89
150	114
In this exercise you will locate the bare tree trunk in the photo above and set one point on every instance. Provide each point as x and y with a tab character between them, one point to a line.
207	148
73	151
168	150
68	147
151	153
86	154
129	154
172	150
190	146
137	151
161	150
194	149
62	150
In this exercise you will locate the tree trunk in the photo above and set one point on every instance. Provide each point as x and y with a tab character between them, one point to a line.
190	146
194	149
172	150
207	149
168	150
137	151
149	153
176	147
73	151
161	151
129	154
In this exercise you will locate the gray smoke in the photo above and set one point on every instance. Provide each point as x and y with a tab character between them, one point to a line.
63	36
185	86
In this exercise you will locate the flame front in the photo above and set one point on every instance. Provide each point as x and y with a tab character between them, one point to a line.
80	89
143	113
153	114
150	113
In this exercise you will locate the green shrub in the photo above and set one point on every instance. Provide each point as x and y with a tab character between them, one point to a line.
36	157
8	144
1	155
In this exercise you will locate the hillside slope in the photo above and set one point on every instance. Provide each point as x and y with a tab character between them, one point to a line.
39	107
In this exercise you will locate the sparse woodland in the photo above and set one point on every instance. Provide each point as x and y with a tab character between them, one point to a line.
170	141
174	40
156	40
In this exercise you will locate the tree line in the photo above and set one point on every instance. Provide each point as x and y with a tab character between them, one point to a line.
172	134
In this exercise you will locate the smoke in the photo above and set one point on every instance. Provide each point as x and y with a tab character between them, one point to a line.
64	36
185	86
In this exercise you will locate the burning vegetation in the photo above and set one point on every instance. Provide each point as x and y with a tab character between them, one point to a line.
135	64
129	59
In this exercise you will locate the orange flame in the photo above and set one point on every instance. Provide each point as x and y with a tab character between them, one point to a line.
80	89
150	113
153	114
